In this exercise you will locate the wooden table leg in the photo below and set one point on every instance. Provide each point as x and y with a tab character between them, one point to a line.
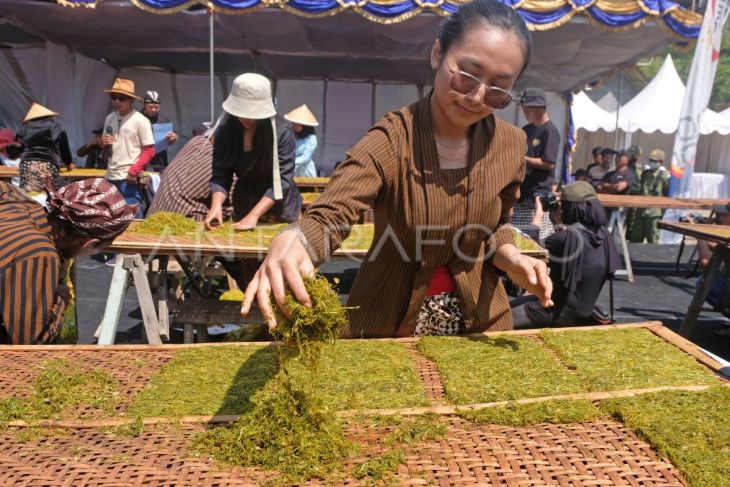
163	311
188	334
202	332
107	330
617	221
719	255
144	295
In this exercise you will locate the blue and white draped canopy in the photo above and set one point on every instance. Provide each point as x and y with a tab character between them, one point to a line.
575	41
539	14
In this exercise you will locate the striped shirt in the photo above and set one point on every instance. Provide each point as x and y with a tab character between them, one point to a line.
185	184
420	211
31	272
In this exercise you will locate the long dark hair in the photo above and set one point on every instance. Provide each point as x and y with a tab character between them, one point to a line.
492	13
228	146
304	133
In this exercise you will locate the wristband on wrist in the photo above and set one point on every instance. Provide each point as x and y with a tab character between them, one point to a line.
300	234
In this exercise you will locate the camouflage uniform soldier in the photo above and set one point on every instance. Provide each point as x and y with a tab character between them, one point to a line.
654	182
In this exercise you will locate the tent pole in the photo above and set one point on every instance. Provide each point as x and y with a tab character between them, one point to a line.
211	25
618	108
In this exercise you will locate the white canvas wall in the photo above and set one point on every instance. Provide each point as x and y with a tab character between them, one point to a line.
62	80
713	151
73	85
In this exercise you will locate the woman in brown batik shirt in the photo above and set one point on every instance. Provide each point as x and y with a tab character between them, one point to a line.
441	176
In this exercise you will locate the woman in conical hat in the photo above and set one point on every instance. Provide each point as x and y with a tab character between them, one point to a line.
46	148
303	123
258	147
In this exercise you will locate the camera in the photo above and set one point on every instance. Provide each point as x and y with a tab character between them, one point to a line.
696	218
548	200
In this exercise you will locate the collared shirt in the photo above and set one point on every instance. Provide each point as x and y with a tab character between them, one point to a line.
395	170
31	271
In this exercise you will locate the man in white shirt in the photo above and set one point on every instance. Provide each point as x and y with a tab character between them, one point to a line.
129	140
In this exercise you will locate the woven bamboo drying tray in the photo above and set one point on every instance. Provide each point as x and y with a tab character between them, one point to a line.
80	451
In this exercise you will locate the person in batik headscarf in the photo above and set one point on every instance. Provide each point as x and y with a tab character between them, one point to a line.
36	244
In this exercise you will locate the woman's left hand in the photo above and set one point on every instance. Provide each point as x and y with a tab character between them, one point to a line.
531	275
248	222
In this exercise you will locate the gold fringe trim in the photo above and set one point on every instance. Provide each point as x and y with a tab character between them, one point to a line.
614	7
623	28
541	6
426	4
690	42
582	7
686	17
65	3
681	15
172	10
552	25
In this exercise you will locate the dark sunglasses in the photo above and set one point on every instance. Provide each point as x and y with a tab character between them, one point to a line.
465	83
119	97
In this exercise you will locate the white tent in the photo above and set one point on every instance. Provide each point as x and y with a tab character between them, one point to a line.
589	116
650	120
658	106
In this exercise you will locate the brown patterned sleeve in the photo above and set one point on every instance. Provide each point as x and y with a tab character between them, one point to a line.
354	188
32	310
510	194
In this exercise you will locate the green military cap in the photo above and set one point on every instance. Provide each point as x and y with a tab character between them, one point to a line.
578	192
657	155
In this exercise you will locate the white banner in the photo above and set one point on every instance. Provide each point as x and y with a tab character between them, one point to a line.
696	98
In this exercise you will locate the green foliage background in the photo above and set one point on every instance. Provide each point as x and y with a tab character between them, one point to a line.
683	61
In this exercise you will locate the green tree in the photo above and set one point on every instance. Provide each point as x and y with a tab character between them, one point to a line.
720	98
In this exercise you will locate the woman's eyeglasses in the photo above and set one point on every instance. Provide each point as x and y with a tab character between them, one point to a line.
119	97
465	83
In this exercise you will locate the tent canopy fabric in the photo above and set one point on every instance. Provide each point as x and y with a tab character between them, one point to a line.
589	116
658	106
345	47
539	15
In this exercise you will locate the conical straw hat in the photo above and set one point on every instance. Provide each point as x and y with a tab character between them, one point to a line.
38	111
302	116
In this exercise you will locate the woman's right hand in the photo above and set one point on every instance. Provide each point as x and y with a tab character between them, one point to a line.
285	263
215	214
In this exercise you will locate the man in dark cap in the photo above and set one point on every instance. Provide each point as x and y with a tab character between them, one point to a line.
36	243
543	145
94	152
619	180
151	110
582	257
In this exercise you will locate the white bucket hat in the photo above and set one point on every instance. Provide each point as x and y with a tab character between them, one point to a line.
251	98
